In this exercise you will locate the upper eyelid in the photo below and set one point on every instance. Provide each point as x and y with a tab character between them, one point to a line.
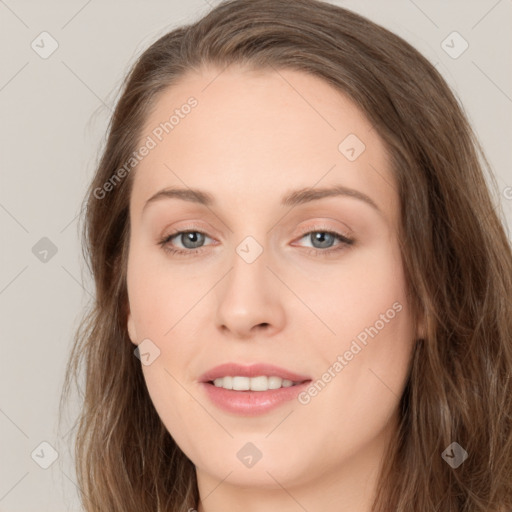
319	226
303	233
175	234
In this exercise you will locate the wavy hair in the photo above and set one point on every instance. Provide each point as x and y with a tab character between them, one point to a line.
456	254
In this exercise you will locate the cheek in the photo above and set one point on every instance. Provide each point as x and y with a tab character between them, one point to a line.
376	316
160	295
352	294
162	307
369	354
173	399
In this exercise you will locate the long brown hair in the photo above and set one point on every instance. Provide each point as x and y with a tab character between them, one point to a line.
457	259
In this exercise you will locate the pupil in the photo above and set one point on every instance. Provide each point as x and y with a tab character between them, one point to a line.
321	236
189	237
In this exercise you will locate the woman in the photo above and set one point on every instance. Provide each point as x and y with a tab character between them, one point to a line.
302	285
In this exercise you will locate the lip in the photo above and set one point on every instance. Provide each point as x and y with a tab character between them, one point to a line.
251	403
252	370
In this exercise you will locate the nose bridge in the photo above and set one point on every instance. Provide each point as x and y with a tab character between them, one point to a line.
248	277
249	295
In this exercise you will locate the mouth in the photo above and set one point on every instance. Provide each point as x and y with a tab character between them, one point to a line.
251	390
258	383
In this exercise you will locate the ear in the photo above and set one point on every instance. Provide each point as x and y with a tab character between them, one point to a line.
131	329
422	328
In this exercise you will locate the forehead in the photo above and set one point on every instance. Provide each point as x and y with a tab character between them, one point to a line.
251	136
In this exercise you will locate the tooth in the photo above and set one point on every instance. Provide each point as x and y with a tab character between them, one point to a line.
274	382
259	383
241	383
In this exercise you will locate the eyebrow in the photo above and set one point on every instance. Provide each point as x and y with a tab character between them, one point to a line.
293	198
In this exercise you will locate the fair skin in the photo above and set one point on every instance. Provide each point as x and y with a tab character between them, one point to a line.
253	138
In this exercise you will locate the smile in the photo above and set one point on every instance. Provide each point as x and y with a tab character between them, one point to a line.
260	383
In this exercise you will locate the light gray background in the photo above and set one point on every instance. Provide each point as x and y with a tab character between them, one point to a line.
53	115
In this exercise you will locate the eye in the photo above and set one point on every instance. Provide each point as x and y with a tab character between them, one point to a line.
323	241
191	241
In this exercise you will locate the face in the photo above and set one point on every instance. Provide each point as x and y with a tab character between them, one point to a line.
271	270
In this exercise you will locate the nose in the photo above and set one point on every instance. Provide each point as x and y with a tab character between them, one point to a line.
250	299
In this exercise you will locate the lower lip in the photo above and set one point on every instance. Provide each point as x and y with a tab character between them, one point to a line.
251	403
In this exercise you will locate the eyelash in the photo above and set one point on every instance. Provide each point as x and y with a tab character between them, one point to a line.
345	241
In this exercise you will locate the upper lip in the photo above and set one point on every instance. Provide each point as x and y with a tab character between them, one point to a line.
251	370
